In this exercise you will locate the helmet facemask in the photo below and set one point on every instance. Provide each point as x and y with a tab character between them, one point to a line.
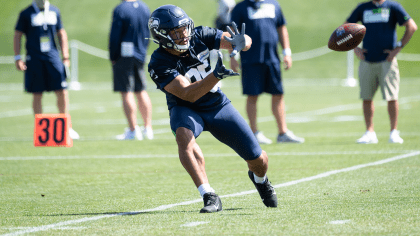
180	33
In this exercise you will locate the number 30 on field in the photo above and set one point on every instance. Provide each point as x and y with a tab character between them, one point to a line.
52	130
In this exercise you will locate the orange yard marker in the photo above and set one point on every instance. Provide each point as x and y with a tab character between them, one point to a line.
52	130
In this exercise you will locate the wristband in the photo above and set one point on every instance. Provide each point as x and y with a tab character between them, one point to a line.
287	52
398	44
18	57
66	58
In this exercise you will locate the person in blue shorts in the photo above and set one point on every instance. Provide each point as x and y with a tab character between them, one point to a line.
378	63
261	72
128	42
181	68
44	70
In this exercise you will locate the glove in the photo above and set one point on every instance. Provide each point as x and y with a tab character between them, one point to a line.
237	40
220	70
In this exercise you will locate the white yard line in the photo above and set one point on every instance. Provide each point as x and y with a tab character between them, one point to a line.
166	133
304	116
270	154
339	222
163	207
307	116
57	228
192	224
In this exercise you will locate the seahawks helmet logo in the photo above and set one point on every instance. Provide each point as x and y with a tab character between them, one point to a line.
153	22
340	31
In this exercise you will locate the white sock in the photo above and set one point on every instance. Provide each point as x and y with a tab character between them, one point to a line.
205	188
260	180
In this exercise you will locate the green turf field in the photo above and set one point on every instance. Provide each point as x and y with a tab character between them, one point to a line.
327	186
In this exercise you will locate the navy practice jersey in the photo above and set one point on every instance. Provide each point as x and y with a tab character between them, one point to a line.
40	43
380	22
129	31
165	67
262	21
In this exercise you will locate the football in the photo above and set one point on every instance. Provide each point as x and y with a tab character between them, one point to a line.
347	37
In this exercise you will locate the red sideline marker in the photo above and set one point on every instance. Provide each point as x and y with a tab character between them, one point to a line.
52	130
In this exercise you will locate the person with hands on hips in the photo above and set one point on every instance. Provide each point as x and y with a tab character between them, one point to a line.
378	63
181	68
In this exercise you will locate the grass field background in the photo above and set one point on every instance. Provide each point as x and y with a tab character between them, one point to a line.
101	186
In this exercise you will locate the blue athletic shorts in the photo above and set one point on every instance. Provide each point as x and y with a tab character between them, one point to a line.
43	75
259	78
129	75
225	123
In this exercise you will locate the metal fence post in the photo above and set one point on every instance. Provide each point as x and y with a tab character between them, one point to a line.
74	82
350	81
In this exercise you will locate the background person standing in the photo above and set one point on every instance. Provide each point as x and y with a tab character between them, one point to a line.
128	44
261	64
224	11
222	20
44	70
378	62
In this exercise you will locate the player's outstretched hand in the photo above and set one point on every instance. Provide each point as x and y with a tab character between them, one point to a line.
237	40
220	70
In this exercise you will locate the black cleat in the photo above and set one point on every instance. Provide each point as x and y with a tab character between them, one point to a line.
212	203
266	191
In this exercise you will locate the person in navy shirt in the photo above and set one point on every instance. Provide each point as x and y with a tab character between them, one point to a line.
261	64
378	62
128	42
187	67
44	70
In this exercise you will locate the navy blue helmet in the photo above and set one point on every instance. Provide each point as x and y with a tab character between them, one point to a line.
165	19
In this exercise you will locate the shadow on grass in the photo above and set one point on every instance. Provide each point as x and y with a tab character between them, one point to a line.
132	213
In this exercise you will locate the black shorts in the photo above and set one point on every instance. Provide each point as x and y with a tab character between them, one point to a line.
41	76
129	75
259	78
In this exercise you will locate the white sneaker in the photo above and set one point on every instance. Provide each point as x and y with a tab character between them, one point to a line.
73	134
289	137
139	134
131	135
261	138
147	132
394	137
368	137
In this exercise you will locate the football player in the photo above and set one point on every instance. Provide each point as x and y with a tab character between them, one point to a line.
181	68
